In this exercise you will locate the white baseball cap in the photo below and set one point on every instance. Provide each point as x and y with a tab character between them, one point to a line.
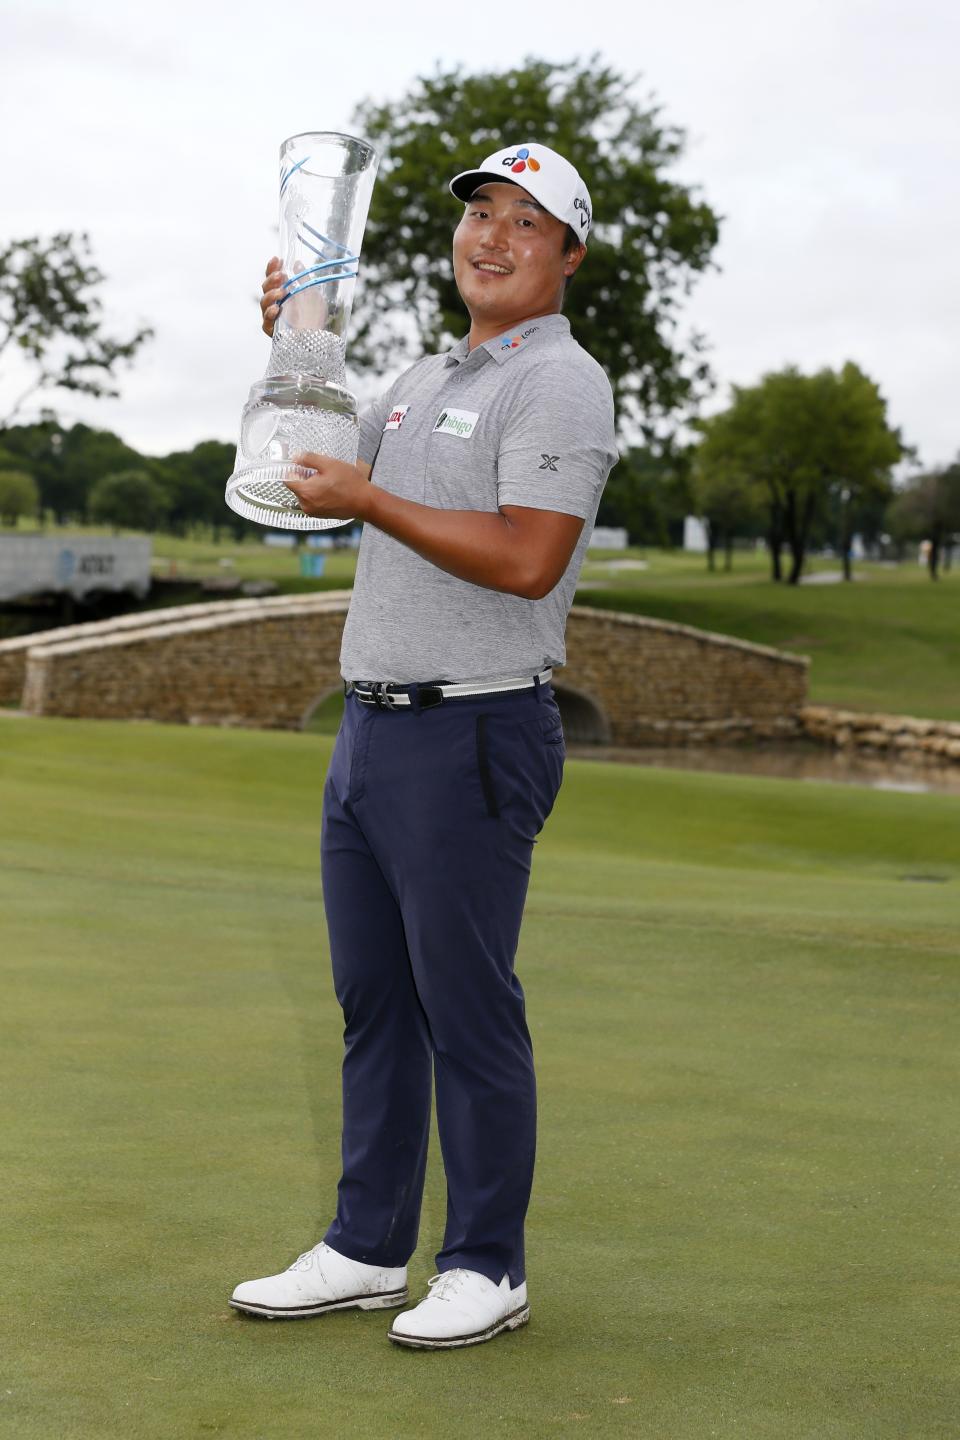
551	180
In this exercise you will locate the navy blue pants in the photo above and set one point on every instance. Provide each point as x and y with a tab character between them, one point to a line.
429	822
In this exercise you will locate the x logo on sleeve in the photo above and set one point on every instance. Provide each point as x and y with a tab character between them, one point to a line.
549	462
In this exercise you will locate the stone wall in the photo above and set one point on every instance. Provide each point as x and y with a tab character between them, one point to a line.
255	663
661	683
900	737
13	652
266	663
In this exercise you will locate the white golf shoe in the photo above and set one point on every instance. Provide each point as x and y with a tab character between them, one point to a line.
322	1279
462	1308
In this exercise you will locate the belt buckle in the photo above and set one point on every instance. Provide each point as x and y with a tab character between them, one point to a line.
382	697
428	696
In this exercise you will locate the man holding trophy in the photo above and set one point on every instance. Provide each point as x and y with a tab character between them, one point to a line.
478	478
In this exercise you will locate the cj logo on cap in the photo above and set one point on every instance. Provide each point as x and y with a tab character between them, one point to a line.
520	161
457	422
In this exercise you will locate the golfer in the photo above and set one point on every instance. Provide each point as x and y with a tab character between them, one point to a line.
478	482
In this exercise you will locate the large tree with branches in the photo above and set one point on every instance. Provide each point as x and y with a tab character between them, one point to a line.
652	234
798	440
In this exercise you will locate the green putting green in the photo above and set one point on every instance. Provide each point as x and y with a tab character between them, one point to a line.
743	997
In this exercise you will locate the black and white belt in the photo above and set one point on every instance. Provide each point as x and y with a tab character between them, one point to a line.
387	694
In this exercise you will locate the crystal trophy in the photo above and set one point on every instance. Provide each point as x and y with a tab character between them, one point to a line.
302	403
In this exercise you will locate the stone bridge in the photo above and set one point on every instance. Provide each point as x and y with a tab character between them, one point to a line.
268	663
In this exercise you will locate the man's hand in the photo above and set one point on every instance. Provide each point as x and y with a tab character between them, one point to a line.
337	491
273	293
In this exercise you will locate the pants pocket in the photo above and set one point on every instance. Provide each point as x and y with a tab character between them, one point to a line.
483	767
519	765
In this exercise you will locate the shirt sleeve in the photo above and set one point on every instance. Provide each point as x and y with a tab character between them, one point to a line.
373	417
559	444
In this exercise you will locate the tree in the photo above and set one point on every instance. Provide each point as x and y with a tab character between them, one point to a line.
35	448
928	509
194	482
65	463
857	447
18	496
866	518
51	316
85	456
128	499
652	234
648	494
730	504
799	437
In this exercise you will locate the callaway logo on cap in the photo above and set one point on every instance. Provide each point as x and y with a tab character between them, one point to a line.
551	180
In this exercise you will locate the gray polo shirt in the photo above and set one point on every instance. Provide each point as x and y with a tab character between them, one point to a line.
525	419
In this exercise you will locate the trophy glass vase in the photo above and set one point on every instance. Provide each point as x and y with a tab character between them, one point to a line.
302	403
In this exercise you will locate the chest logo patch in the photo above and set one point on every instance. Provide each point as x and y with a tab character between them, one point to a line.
396	417
457	422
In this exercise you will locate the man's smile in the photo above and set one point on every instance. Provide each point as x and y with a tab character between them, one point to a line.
491	267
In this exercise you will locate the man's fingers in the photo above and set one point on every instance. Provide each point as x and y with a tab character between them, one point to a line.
308	461
272	288
273	293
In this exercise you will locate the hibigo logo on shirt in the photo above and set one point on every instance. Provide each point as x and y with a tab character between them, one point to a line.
457	422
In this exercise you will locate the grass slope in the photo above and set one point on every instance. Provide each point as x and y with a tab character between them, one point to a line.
743	999
888	641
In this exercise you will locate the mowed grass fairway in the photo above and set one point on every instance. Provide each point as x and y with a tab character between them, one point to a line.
743	995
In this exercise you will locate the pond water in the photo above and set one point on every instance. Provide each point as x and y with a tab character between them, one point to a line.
799	760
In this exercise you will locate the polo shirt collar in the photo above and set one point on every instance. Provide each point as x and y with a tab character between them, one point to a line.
458	353
501	347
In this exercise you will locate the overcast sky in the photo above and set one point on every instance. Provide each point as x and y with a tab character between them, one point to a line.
824	131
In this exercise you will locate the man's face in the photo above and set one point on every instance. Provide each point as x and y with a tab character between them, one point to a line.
508	255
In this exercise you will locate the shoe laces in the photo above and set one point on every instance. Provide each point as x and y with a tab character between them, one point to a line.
443	1286
308	1259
